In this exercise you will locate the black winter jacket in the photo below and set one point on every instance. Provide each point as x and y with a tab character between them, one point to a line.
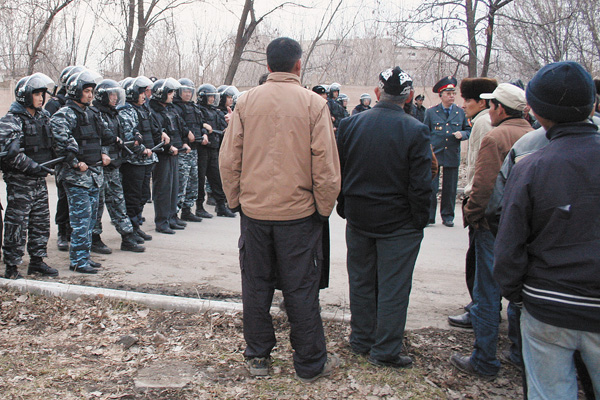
547	251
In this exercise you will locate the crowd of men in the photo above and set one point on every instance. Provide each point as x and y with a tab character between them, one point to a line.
530	201
107	142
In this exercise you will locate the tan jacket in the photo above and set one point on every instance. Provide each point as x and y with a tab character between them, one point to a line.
481	125
494	148
279	159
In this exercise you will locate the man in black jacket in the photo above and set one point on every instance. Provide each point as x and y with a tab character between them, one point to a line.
385	158
547	251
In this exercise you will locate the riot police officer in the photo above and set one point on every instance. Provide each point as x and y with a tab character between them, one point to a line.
364	105
79	135
335	109
27	213
165	177
208	155
343	99
108	95
136	172
188	162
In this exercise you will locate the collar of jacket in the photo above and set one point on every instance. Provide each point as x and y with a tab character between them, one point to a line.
18	108
75	106
387	104
287	77
480	114
571	128
157	105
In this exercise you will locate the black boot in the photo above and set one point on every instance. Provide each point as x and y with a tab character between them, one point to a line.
224	211
210	200
130	244
63	239
179	221
98	245
94	264
12	272
138	239
186	215
201	212
38	266
138	231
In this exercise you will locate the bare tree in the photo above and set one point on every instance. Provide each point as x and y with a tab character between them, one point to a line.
454	21
53	8
245	31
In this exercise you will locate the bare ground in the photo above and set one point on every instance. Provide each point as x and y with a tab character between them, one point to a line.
98	349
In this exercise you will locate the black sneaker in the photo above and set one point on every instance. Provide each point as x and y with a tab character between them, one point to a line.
42	268
98	245
331	364
399	362
12	272
258	366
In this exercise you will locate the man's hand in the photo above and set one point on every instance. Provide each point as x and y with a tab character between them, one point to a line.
186	148
165	138
81	166
204	140
105	160
138	138
458	135
228	115
147	152
191	137
173	150
207	127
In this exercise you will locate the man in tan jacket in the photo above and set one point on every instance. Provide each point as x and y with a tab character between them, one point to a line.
280	168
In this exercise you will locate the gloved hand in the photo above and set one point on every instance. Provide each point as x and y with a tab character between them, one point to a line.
36	170
70	159
138	138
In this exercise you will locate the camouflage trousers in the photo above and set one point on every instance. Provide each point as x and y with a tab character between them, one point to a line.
27	218
111	194
83	208
188	180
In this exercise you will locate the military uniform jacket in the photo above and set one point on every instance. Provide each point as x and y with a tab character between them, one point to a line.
130	117
57	102
193	119
33	133
337	111
360	108
168	121
445	146
64	125
216	119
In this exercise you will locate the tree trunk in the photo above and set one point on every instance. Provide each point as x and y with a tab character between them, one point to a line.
33	56
471	35
238	49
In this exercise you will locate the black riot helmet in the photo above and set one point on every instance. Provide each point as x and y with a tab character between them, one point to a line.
206	90
186	85
135	87
162	88
364	98
80	81
334	87
69	72
341	98
109	93
226	91
29	85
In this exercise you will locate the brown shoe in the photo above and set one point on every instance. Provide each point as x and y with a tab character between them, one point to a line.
331	364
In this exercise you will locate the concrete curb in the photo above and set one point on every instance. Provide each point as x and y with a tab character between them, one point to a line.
157	301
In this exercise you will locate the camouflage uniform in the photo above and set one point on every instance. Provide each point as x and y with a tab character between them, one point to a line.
137	170
27	213
82	188
191	114
111	192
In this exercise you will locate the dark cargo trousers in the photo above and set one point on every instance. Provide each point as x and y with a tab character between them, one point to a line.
136	189
449	188
165	189
288	253
380	272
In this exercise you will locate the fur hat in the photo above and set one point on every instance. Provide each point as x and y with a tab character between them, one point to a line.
472	88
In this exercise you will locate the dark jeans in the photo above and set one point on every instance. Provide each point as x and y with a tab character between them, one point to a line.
208	168
380	274
165	182
486	306
470	263
449	184
290	254
136	188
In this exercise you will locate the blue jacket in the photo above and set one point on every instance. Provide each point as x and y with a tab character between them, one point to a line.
385	157
445	146
547	251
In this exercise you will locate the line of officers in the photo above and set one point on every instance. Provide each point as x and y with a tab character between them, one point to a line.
106	141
